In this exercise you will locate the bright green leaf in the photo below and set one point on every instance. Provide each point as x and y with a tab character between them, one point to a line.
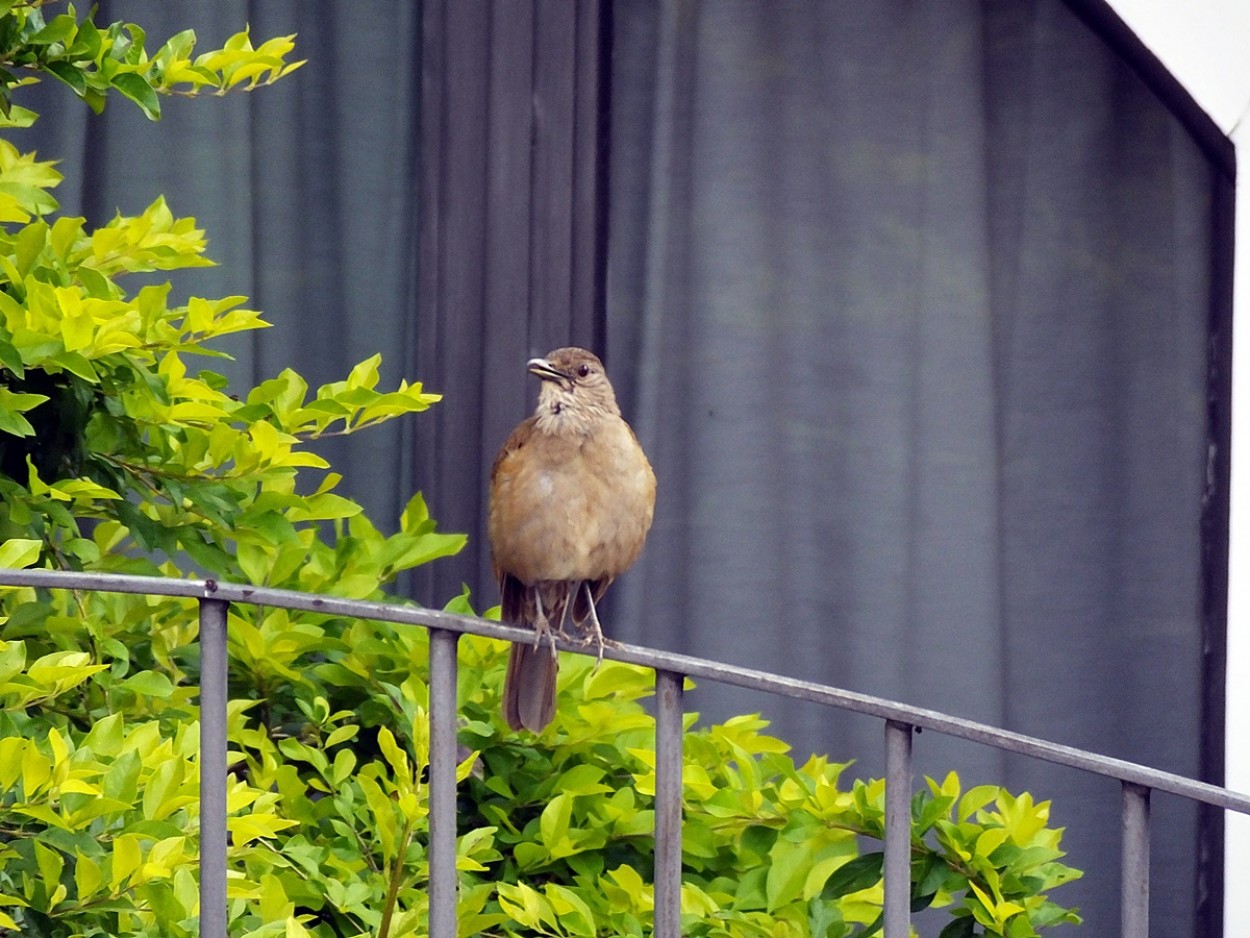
137	89
18	552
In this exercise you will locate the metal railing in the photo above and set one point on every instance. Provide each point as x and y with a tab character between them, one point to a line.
901	721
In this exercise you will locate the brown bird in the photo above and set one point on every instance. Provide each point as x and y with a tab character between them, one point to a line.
571	499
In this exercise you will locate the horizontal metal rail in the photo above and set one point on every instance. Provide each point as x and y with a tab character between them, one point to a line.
901	720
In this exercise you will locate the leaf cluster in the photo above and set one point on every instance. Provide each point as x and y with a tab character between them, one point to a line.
328	803
98	404
93	60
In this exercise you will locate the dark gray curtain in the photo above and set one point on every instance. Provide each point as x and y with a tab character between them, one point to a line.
919	298
917	307
510	247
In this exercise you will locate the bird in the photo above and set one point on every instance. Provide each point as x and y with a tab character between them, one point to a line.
572	497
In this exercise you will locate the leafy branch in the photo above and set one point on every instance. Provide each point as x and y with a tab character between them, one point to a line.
93	61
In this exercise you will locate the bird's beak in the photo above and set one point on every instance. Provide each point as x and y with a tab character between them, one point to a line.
543	369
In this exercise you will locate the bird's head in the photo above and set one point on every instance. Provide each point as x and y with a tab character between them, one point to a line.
575	390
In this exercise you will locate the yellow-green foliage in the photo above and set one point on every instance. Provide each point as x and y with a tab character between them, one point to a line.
94	60
119	454
328	808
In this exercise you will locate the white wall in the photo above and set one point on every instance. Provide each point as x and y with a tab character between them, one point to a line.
1206	45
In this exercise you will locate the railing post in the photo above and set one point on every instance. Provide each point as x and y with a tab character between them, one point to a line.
668	789
443	879
213	767
1135	862
897	911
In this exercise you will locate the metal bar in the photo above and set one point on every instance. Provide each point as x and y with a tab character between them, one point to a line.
1135	862
213	767
443	880
917	717
668	790
897	910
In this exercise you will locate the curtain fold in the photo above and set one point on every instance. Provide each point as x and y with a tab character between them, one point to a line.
920	296
509	254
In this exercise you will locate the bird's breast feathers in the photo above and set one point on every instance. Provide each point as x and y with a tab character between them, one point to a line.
580	512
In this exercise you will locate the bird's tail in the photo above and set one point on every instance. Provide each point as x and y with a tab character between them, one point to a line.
529	690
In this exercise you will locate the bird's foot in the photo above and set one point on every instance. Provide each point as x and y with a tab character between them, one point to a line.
600	641
542	627
596	631
592	636
545	634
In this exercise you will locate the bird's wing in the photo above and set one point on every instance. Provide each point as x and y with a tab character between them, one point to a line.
514	599
516	439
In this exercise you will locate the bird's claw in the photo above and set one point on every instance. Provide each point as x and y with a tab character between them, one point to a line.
543	629
596	630
598	641
594	636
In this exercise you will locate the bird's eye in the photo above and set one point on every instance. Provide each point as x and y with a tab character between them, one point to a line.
583	370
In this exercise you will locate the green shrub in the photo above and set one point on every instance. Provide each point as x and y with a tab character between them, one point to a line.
328	811
117	456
